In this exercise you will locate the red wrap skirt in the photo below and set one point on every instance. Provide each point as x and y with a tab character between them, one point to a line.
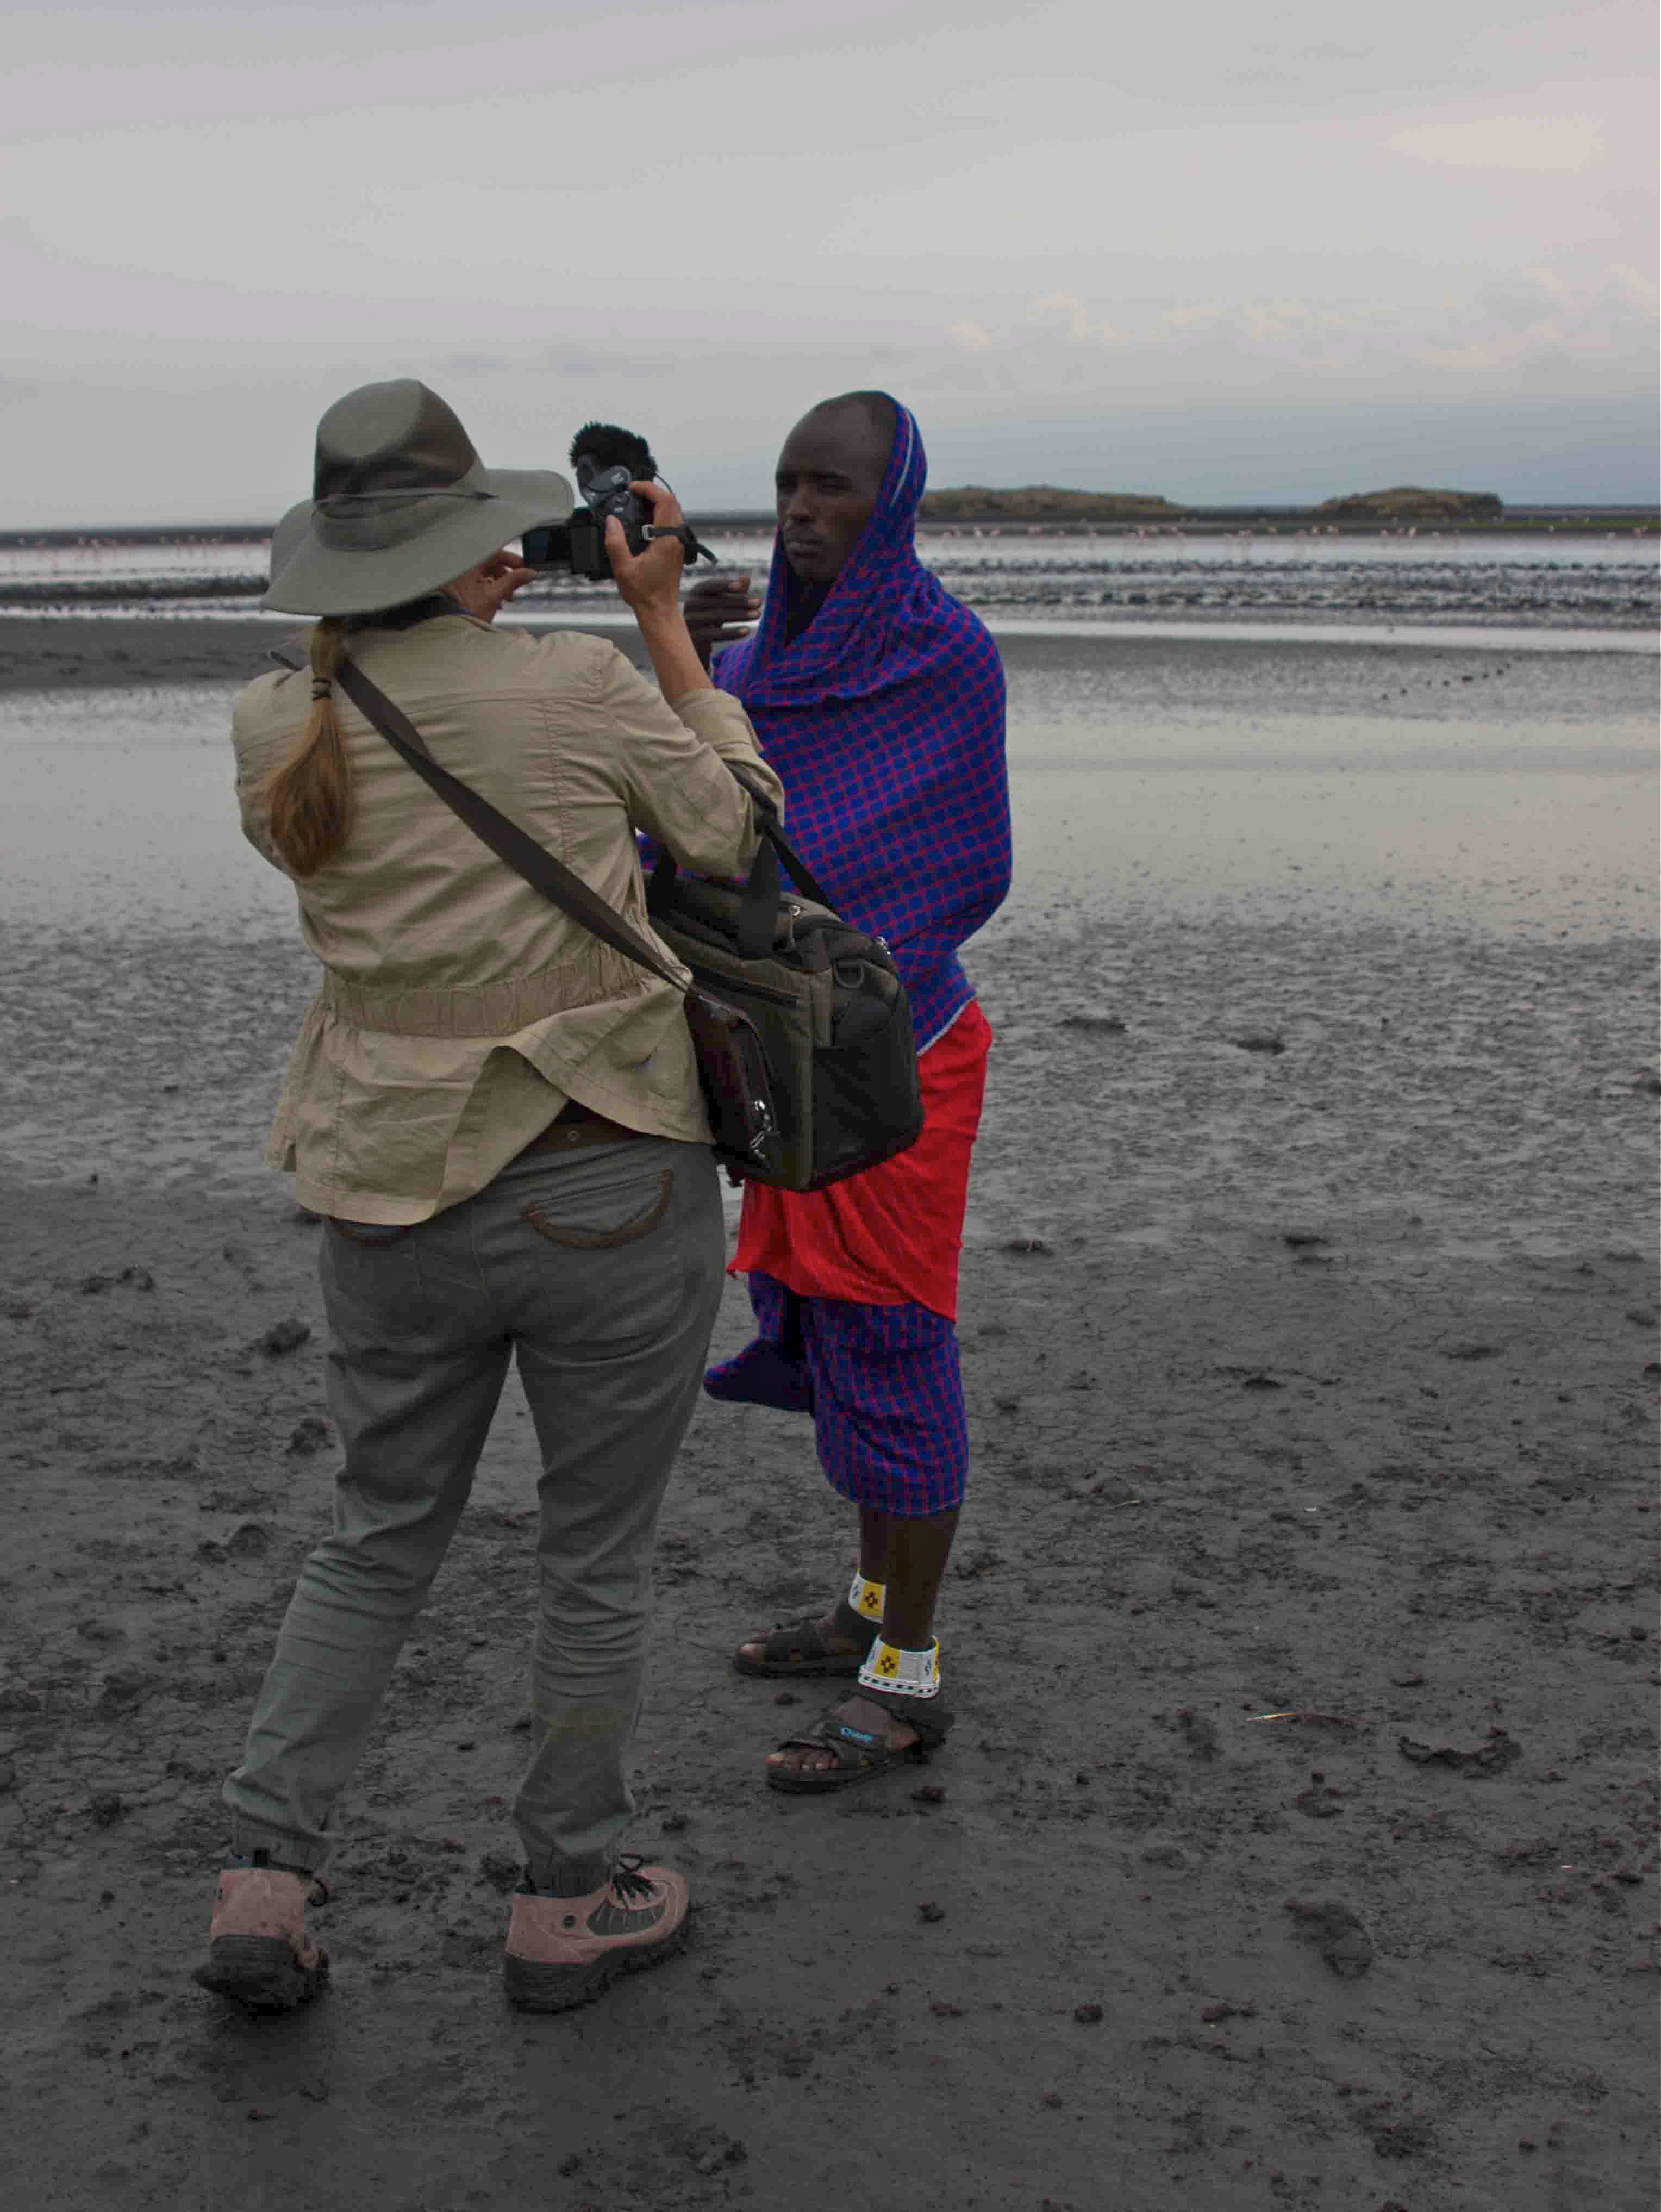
894	1235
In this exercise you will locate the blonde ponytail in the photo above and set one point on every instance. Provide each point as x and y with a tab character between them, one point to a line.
308	800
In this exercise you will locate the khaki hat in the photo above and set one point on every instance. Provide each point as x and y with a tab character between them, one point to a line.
401	503
290	534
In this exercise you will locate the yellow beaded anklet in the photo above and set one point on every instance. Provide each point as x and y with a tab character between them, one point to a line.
867	1599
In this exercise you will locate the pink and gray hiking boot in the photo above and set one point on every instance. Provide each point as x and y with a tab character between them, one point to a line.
564	1951
259	1951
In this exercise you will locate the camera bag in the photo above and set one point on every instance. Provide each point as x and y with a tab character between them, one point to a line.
800	1022
826	999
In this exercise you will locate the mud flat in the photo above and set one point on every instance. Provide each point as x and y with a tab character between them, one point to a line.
1297	1843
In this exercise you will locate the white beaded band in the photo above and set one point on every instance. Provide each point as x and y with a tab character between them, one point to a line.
909	1674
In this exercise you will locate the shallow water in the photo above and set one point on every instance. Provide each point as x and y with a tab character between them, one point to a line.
1511	797
1346	813
120	814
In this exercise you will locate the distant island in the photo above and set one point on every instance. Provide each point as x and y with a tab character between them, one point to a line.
1046	503
1413	503
1397	506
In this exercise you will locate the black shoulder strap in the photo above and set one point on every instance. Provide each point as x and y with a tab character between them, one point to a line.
766	819
505	839
758	913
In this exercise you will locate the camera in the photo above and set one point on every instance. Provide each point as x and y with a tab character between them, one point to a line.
607	461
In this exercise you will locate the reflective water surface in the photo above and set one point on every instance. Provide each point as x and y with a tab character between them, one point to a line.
1506	792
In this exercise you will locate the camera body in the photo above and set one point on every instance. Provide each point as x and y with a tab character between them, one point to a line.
607	461
579	543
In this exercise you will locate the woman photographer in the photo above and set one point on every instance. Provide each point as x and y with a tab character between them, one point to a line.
500	1119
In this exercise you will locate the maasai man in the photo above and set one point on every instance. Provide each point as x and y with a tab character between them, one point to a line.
879	701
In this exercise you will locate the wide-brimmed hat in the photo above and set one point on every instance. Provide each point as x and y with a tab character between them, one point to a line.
401	503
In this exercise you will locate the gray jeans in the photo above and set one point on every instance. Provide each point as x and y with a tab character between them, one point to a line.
600	1271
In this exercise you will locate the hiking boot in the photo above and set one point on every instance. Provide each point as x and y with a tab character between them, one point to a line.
259	1951
563	1951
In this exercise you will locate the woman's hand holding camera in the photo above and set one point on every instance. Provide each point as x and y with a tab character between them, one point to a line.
650	583
484	592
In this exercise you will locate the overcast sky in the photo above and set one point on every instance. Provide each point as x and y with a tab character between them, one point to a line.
1217	253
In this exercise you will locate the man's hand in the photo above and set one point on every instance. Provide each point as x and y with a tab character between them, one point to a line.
718	611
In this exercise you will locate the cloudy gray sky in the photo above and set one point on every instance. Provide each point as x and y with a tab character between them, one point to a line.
1218	253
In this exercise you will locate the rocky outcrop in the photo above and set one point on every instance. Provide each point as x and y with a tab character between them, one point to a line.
1045	503
1413	503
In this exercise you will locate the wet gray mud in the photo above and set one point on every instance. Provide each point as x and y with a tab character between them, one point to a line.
1297	1842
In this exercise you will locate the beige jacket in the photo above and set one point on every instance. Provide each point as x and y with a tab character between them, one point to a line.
459	1009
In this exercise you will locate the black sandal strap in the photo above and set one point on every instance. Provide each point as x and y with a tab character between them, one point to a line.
798	1639
805	1639
848	1753
853	1624
931	1718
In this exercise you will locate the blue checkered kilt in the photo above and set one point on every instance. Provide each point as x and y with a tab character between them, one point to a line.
888	1414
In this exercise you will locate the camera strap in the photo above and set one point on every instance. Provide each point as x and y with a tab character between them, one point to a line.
558	883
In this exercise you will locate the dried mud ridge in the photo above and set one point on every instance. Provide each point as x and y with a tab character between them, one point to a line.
1083	586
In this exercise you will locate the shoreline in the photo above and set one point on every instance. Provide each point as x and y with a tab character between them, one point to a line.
1632	518
75	651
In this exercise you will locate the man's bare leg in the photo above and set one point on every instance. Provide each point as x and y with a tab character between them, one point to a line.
916	1551
908	1557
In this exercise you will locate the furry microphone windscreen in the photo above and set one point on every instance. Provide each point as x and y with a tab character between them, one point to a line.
608	448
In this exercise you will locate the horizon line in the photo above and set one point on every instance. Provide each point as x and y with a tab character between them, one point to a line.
12	535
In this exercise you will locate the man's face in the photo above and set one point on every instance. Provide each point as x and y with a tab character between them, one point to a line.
827	478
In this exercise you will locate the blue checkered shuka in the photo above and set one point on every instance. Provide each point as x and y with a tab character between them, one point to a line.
884	722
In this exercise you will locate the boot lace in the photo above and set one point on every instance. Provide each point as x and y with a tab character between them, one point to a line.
631	1884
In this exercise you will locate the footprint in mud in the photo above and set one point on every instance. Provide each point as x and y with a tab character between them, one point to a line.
1337	1931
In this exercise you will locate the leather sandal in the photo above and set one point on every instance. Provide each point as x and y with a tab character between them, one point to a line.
861	1754
800	1649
